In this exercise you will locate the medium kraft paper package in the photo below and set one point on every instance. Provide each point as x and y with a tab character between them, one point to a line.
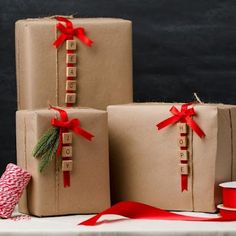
73	62
66	151
172	156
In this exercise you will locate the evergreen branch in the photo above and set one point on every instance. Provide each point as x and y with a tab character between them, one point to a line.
46	142
48	155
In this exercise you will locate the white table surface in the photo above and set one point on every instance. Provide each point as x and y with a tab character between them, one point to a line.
68	225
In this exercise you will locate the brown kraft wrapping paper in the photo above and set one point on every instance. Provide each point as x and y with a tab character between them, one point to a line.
104	70
89	191
144	162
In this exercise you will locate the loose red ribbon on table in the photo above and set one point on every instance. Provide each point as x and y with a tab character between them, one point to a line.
68	32
184	115
136	210
65	124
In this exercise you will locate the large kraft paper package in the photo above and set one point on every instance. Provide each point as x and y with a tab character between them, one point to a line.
89	190
145	163
104	70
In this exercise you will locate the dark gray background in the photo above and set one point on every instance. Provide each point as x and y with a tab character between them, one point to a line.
179	47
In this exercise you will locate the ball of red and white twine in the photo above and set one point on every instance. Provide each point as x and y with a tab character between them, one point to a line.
12	183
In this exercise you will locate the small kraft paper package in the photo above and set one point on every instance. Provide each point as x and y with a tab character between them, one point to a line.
172	156
66	151
69	61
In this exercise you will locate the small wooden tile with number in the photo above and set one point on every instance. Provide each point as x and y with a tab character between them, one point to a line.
183	155
71	71
182	128
66	151
71	58
71	85
70	98
67	138
183	142
67	165
184	170
71	45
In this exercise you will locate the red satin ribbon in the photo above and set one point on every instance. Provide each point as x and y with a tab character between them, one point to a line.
68	32
136	210
229	197
73	124
184	183
65	124
184	115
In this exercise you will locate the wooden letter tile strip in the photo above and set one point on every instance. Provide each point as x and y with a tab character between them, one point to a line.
183	145
67	151
71	72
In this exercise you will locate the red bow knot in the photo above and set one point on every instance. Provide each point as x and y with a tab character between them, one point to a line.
66	124
73	125
68	32
184	115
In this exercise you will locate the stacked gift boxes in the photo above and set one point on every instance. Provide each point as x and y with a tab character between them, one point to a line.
171	156
69	62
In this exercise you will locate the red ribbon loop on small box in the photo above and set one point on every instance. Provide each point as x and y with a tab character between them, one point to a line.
136	210
68	32
73	125
65	124
184	115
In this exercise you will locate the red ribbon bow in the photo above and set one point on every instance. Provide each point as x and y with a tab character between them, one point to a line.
68	32
184	115
73	125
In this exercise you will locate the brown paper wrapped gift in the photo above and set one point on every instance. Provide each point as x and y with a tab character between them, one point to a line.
104	71
145	162
89	188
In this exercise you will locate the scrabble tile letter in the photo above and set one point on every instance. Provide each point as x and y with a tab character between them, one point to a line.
70	98
182	128
67	138
70	85
183	155
71	58
67	165
66	151
183	141
70	45
183	169
71	71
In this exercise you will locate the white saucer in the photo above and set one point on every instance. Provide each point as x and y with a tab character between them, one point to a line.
228	184
221	206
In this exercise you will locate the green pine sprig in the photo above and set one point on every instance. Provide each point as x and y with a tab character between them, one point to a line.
46	147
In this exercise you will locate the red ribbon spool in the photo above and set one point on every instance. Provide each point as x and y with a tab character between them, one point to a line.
228	208
229	194
227	213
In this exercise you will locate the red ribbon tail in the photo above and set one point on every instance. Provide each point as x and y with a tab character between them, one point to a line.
184	183
57	43
195	127
83	133
169	121
63	113
85	40
66	178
